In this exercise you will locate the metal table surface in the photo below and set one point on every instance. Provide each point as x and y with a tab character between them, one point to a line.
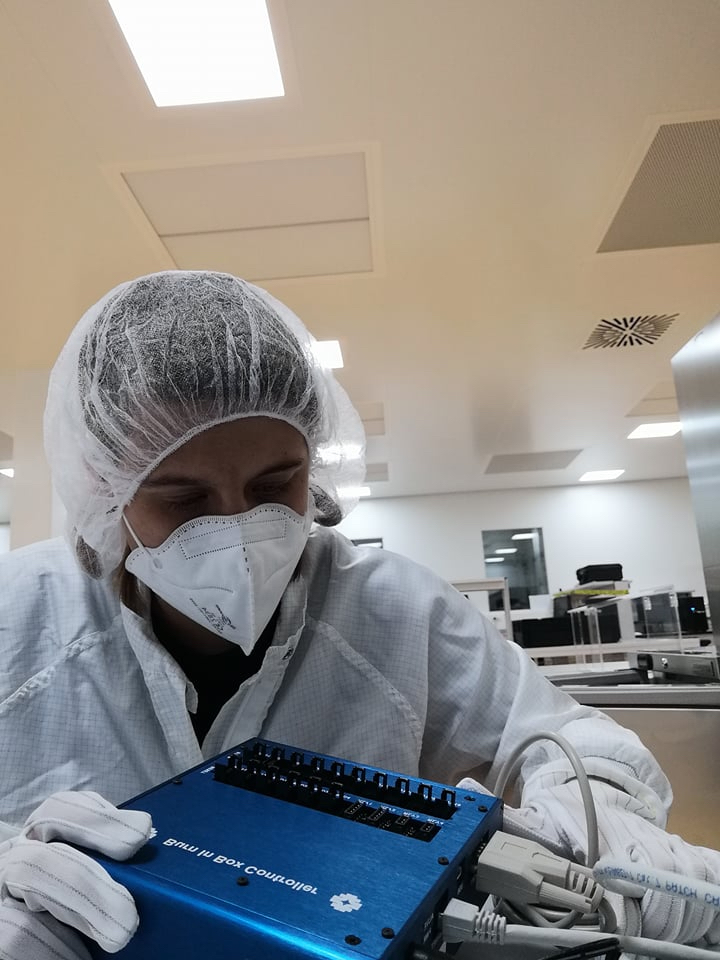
682	695
678	721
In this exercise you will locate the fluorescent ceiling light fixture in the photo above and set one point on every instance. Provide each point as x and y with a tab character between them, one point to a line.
523	536
8	472
494	559
601	475
506	550
336	452
647	430
353	492
329	354
201	51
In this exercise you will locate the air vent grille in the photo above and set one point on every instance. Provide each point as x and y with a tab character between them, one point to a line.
674	198
630	331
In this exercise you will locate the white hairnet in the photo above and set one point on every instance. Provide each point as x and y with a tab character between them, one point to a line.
164	357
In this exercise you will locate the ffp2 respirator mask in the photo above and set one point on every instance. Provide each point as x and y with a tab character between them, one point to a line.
226	573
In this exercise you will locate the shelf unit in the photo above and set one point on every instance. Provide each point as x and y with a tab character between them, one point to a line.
491	583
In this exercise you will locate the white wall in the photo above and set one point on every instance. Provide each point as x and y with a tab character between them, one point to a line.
7	417
4	537
22	399
648	526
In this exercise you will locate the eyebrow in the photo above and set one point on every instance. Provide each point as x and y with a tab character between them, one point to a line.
182	480
171	481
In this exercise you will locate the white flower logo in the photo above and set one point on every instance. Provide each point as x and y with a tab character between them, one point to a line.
345	902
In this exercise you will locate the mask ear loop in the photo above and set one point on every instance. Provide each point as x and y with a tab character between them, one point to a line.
141	546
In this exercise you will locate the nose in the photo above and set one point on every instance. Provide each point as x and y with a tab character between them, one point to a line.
233	500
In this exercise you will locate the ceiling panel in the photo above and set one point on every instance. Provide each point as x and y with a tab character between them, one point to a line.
674	199
6	448
308	250
273	192
518	462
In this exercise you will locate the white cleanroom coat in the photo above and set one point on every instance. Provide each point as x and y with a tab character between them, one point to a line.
374	659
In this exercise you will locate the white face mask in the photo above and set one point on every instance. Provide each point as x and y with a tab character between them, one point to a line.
226	573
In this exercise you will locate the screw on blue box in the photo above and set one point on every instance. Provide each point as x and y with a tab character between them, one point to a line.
272	851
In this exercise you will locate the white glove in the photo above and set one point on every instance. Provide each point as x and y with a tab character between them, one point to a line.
557	813
46	888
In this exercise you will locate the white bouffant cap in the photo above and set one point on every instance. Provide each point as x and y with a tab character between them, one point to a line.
164	357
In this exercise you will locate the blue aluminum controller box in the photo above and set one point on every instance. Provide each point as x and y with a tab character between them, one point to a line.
272	853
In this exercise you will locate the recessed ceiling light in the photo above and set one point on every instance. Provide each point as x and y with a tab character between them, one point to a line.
8	472
201	51
334	453
596	475
647	430
494	559
522	536
506	550
328	353
353	492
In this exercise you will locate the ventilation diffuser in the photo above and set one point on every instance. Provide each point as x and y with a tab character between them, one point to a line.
674	199
630	331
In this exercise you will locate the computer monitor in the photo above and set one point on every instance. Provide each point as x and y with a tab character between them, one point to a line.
692	613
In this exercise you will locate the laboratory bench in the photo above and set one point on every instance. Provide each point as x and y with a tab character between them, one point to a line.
677	718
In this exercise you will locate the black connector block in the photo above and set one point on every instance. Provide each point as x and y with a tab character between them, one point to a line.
337	790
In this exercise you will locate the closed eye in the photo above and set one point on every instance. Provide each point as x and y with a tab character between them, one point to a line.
185	501
274	483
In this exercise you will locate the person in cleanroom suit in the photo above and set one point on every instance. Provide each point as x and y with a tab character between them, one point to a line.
203	455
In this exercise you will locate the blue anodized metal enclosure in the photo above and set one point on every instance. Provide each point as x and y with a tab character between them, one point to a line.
273	852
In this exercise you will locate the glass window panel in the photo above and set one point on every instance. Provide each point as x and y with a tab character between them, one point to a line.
524	567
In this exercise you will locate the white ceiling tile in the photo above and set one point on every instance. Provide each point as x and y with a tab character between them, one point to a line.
263	193
310	250
517	462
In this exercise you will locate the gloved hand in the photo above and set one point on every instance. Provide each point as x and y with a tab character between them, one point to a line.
555	817
47	888
625	834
